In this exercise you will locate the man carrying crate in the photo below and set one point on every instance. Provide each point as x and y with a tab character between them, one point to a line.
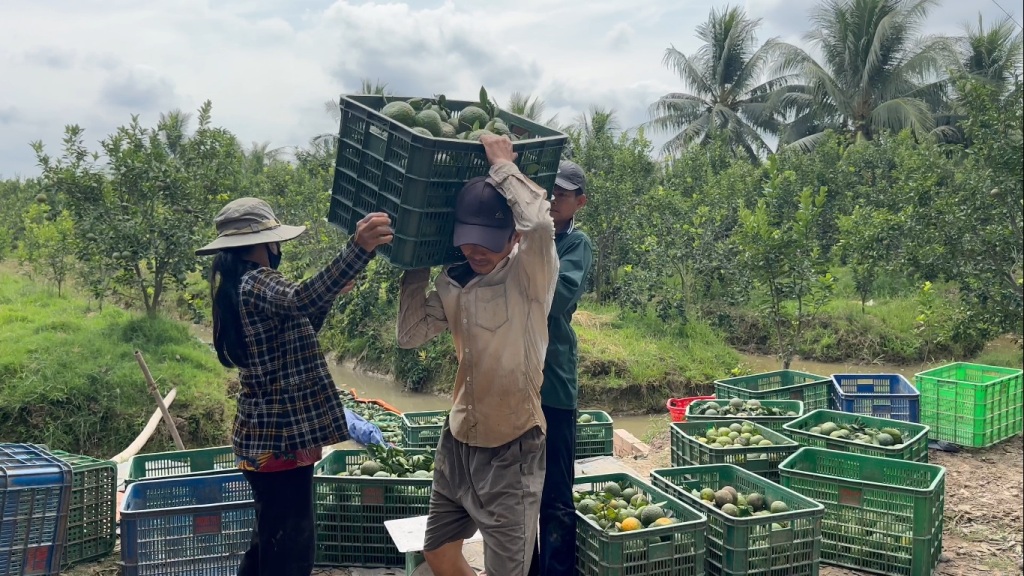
490	463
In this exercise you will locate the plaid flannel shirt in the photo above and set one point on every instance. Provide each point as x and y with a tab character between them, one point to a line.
288	400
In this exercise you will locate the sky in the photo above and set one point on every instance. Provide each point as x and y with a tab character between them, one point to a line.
269	66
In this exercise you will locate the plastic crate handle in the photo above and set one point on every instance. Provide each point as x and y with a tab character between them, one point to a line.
783	536
659	551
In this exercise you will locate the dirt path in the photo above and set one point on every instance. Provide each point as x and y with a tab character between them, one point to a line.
983	514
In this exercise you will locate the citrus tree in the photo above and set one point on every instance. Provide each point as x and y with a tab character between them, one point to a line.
784	257
143	213
48	243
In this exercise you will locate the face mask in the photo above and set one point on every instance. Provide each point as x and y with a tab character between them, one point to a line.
274	259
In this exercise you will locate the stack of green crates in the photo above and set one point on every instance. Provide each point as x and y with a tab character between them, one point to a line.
881	515
351	510
92	521
784	543
423	429
972	405
913	448
183	463
813	390
676	549
686	449
773	423
594	438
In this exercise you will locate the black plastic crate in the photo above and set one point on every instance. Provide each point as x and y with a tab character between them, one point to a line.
382	165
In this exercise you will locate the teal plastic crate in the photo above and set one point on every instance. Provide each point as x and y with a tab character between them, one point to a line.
673	550
773	423
881	515
420	430
813	390
914	447
686	449
351	511
92	515
596	438
785	543
382	165
182	464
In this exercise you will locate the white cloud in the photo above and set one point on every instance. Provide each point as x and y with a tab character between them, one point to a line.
268	66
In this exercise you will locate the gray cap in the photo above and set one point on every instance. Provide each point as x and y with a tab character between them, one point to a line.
570	177
482	216
248	222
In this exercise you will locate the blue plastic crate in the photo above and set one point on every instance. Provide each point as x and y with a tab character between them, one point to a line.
35	493
880	395
197	526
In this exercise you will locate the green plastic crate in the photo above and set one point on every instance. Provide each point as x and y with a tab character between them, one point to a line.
813	390
972	404
786	543
383	165
913	449
596	438
687	450
673	550
181	464
419	434
881	515
773	423
351	511
92	520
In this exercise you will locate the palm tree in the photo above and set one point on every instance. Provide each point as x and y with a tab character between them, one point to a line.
728	91
173	129
331	107
875	72
377	87
993	54
531	108
591	127
260	156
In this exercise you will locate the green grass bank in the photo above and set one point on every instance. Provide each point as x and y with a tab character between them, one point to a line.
68	377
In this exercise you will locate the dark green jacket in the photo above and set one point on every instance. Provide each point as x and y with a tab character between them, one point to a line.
575	256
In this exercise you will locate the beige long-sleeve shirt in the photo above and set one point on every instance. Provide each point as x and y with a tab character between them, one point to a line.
498	322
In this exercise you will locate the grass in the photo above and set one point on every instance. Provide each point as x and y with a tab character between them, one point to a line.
68	377
637	362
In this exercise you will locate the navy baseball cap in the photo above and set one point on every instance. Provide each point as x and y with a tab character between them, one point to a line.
570	177
482	216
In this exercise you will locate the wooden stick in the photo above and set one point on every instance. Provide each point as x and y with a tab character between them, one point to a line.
142	438
159	401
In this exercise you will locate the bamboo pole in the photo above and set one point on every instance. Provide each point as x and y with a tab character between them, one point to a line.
142	438
159	401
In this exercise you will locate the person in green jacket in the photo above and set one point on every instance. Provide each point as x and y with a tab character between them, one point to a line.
559	391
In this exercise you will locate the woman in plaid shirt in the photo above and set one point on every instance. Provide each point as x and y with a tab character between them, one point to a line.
288	408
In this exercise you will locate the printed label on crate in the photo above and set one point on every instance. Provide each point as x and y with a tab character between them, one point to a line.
36	560
796	395
373	495
850	496
206	524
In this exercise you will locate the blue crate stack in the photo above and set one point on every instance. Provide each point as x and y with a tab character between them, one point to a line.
880	395
35	494
191	526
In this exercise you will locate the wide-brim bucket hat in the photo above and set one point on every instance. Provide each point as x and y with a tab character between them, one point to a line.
248	222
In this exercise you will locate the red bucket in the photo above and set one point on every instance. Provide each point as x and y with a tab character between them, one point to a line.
677	406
